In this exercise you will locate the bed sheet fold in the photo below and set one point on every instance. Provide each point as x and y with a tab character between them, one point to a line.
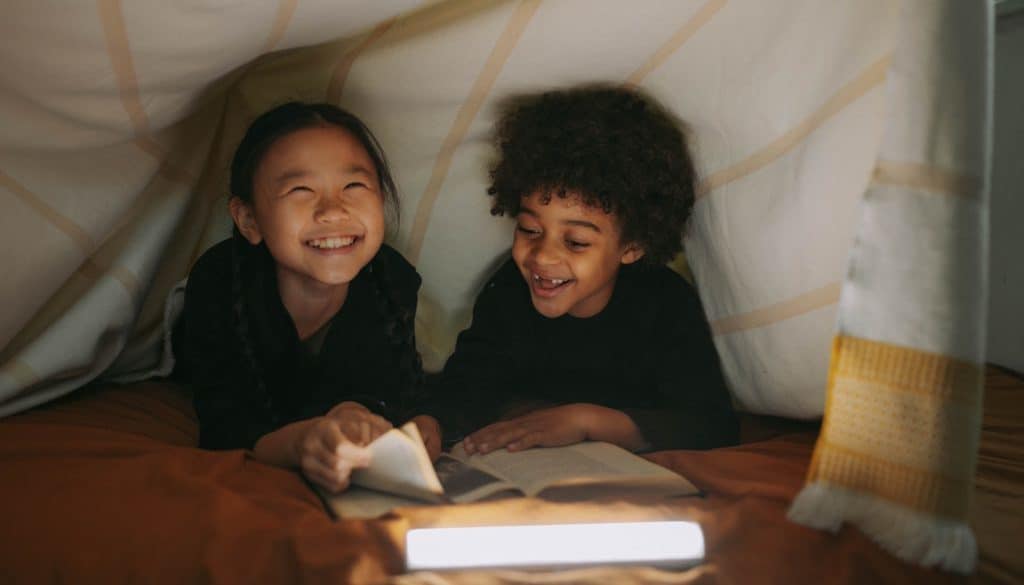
106	485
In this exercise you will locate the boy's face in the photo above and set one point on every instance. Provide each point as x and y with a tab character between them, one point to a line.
570	254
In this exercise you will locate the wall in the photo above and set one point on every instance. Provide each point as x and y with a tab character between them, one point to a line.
1006	275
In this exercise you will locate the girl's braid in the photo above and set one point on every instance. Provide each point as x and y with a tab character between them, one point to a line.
261	396
400	330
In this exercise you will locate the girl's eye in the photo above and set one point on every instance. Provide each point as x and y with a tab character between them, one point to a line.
527	231
299	189
356	185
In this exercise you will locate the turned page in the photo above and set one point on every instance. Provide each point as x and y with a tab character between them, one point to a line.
400	465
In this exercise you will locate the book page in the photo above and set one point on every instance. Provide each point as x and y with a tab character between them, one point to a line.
465	483
533	470
400	465
360	502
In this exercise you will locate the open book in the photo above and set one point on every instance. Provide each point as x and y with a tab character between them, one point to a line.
400	474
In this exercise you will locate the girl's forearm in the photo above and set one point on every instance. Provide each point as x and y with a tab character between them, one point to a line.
281	447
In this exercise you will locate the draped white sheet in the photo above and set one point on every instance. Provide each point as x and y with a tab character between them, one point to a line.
119	119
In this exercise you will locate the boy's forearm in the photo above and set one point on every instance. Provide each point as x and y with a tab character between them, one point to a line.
683	428
614	426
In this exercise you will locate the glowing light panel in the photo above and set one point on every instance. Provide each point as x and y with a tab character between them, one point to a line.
662	544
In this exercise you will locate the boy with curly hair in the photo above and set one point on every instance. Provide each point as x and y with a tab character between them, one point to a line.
585	334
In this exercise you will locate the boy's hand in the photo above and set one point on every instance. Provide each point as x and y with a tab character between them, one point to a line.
548	427
327	456
430	430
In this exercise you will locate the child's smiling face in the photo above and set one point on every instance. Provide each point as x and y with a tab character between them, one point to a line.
318	206
570	254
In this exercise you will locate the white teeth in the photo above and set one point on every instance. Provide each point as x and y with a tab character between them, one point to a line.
554	281
331	243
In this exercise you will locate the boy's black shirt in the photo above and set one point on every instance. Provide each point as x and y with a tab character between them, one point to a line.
355	362
649	354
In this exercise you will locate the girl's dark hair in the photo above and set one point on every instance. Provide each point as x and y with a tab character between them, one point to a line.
615	147
264	131
291	117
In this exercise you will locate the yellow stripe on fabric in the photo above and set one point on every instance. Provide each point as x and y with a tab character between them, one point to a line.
341	70
116	33
168	169
435	17
902	424
77	234
867	80
481	88
796	306
285	12
77	284
127	278
920	177
910	428
913	488
89	270
908	370
676	41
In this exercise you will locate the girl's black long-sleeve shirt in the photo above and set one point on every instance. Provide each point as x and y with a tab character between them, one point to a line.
244	391
649	353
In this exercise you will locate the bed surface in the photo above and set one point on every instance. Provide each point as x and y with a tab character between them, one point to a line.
107	486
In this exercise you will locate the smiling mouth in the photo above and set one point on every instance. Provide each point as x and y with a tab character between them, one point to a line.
332	243
549	284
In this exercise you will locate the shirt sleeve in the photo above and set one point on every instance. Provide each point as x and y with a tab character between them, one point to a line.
229	408
475	381
688	376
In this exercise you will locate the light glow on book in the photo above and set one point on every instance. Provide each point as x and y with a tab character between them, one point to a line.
663	544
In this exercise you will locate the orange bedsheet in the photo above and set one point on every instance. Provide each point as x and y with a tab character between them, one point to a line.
107	486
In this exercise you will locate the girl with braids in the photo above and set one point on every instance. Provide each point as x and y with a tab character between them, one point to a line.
585	334
297	333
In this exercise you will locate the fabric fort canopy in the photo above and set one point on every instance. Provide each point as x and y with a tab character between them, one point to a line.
839	243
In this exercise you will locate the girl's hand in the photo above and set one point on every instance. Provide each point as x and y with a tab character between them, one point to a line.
357	423
430	430
327	456
548	427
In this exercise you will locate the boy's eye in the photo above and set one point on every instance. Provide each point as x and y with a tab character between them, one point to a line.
576	244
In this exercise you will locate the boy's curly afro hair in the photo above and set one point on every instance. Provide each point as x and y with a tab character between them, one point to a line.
615	147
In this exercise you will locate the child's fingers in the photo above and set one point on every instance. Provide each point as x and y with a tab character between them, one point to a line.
321	456
353	455
482	440
378	426
340	446
360	426
432	441
332	435
360	431
497	436
335	468
528	440
322	461
332	481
